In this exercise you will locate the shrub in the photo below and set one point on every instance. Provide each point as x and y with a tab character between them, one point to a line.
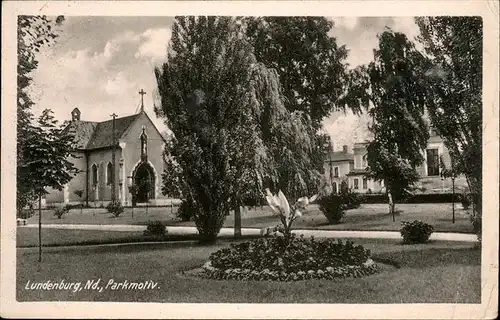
155	228
416	231
186	209
302	258
25	213
75	206
350	199
60	211
332	207
276	231
477	225
416	198
115	208
465	200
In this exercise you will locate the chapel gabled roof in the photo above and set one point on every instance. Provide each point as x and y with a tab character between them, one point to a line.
102	136
83	131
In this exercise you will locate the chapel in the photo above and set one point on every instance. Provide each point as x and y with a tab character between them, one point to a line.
137	163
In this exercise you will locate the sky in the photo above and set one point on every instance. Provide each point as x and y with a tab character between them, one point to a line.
99	64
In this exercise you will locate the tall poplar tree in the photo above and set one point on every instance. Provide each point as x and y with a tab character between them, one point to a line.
232	135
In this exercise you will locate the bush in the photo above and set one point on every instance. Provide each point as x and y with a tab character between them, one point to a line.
75	206
185	211
351	200
59	212
115	208
416	198
155	228
276	231
465	200
477	225
416	231
301	258
332	207
25	213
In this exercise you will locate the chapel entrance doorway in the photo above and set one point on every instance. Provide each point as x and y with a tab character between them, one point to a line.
144	179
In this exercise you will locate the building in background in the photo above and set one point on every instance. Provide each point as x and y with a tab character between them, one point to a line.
349	169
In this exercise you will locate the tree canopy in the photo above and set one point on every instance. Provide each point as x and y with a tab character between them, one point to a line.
43	147
453	73
397	97
311	65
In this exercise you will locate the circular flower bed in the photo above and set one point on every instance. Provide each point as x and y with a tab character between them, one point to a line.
299	258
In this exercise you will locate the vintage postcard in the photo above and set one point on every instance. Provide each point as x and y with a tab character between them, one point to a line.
250	159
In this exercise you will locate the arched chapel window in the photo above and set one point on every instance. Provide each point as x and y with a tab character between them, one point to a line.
109	173
94	174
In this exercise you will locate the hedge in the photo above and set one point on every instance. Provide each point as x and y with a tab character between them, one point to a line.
418	198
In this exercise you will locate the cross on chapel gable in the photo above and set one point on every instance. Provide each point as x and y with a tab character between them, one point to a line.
142	93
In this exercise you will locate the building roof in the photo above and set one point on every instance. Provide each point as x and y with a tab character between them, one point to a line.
103	133
96	135
82	131
339	156
357	172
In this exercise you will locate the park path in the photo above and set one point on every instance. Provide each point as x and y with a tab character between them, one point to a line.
228	232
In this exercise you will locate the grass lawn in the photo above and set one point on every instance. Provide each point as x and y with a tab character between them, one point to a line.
437	272
368	217
28	237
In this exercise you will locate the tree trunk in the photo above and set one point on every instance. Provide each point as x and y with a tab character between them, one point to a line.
207	237
237	221
391	207
39	228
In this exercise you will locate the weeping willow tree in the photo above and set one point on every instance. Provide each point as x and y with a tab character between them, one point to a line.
231	135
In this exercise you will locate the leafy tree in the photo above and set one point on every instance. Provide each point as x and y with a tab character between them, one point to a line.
397	107
231	132
33	33
45	155
311	67
397	173
310	64
43	147
453	74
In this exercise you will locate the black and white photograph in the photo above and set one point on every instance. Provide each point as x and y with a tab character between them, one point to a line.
268	162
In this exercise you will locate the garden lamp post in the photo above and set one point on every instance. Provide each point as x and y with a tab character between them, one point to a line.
453	198
113	160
